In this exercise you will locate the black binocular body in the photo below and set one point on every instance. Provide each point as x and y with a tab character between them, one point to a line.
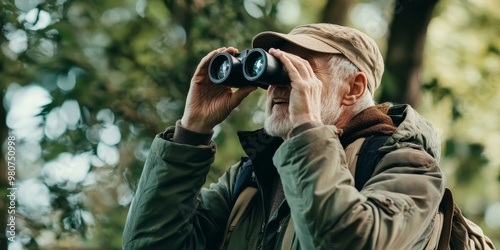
250	67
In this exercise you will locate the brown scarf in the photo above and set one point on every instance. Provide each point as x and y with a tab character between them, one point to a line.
371	121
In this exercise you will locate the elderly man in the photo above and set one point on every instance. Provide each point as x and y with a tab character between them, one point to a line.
298	161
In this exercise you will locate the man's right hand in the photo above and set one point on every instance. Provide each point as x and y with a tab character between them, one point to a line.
209	104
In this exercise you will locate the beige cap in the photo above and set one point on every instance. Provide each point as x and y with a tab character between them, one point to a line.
358	47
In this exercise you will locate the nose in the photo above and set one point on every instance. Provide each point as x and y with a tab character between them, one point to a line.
270	89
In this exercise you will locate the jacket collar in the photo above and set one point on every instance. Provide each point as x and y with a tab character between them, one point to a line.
260	148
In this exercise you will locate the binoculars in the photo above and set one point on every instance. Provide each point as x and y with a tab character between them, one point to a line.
250	67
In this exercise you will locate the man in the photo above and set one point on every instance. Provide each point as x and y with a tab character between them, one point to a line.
301	171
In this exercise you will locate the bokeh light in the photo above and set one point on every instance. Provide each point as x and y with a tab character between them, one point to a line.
492	216
23	105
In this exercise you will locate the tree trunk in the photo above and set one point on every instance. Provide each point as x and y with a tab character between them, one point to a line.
336	11
402	82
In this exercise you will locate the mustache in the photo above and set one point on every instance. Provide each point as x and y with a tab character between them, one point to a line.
276	93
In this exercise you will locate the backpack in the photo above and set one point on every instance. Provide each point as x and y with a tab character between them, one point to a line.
451	229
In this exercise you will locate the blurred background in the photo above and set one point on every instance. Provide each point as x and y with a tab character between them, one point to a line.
86	85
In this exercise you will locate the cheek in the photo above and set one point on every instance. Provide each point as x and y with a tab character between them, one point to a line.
344	89
328	89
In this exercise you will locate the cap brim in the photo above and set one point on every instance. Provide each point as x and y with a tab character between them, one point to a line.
269	39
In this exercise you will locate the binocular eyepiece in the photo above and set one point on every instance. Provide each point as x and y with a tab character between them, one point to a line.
250	67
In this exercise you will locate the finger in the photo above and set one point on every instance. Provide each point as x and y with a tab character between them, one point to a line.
296	63
231	50
302	65
290	68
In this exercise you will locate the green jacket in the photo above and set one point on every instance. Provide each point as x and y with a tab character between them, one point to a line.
394	210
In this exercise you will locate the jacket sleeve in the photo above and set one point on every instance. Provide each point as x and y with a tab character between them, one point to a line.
392	211
169	209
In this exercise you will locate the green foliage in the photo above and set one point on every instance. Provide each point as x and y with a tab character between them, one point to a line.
461	68
123	68
470	159
127	65
439	93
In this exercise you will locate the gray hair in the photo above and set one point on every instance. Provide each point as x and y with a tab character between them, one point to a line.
342	69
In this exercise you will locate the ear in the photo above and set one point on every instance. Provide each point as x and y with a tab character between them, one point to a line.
357	88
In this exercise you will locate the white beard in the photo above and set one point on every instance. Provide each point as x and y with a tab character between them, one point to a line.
277	122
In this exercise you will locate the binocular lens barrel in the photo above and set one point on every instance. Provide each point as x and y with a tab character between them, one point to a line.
220	67
253	67
260	66
226	69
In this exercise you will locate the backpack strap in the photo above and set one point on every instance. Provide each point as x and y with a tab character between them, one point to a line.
243	191
287	242
351	152
239	207
446	207
458	232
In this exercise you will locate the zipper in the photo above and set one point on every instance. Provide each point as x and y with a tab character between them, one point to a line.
261	241
282	222
279	228
282	225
